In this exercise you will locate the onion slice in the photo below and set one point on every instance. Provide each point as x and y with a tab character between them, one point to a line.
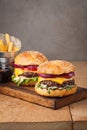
65	75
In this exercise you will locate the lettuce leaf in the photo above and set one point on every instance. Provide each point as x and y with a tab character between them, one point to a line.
21	80
42	86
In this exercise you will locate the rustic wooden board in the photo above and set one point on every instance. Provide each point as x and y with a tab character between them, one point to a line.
28	94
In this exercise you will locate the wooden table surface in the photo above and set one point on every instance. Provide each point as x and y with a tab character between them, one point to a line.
17	114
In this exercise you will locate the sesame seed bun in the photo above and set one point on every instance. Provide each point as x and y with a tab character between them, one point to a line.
30	58
56	67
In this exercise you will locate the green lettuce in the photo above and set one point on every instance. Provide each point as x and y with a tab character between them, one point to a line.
42	86
21	80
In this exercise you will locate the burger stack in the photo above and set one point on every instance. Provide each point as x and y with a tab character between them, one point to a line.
25	67
54	78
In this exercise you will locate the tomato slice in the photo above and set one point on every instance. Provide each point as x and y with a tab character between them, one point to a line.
32	67
26	67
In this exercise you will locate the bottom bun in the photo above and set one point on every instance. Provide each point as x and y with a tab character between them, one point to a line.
55	93
31	83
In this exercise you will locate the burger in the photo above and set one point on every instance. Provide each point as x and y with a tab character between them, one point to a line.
25	67
56	79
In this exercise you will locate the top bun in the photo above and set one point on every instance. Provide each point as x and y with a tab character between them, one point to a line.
56	67
30	58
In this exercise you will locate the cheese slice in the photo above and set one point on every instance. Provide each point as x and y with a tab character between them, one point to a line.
58	80
18	71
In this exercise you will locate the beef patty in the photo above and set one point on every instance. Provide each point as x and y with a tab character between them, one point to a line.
50	83
29	74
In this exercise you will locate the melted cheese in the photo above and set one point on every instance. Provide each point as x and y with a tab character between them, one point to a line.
58	80
18	71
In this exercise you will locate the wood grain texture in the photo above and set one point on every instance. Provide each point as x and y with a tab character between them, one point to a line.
16	110
79	109
36	126
81	73
80	125
28	94
79	115
17	114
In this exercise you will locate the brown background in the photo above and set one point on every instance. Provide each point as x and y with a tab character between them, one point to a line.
57	28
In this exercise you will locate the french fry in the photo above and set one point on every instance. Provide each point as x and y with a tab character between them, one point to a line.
10	47
3	47
15	48
7	38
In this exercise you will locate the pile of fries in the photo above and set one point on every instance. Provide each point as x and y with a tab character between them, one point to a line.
7	45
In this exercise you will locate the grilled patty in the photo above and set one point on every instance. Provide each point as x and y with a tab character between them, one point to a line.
50	83
29	74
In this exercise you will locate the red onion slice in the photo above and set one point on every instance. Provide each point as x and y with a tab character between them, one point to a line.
65	75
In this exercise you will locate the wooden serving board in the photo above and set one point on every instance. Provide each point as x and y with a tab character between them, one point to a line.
28	94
